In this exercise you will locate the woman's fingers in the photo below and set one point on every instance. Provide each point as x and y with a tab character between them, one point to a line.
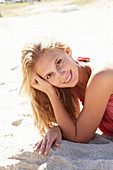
42	148
38	79
50	141
40	84
45	146
36	82
37	146
53	135
57	142
48	145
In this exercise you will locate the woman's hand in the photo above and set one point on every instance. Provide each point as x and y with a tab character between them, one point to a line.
53	135
40	84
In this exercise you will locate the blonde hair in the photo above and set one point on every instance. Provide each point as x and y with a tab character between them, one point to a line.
43	114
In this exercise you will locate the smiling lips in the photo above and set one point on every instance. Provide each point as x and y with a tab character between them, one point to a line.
68	78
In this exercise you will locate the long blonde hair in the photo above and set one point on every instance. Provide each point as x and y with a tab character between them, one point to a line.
43	113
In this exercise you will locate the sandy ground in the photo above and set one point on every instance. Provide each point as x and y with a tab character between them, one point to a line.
89	31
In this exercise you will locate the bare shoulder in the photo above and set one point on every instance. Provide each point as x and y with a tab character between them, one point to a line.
106	68
102	77
98	90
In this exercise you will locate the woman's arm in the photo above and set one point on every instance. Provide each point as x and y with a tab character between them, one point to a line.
98	91
62	117
96	98
97	95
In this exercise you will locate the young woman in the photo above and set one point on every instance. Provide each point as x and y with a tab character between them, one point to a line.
55	83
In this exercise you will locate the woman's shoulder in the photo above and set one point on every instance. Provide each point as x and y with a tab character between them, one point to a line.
103	68
99	66
102	75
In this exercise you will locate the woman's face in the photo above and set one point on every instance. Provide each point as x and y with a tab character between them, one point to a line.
58	68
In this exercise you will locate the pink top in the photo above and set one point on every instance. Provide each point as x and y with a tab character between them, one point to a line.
106	124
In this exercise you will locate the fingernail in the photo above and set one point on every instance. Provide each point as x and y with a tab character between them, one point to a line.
57	144
45	153
40	152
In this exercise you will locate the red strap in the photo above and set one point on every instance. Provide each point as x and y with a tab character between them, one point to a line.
85	59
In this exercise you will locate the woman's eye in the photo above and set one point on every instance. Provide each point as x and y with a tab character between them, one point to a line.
49	75
58	62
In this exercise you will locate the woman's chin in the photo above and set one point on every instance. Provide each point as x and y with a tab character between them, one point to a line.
73	84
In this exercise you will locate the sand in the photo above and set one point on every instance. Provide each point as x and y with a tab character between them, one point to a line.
89	31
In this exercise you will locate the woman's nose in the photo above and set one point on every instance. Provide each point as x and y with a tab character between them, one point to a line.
60	72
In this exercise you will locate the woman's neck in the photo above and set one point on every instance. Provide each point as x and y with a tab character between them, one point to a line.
84	73
83	76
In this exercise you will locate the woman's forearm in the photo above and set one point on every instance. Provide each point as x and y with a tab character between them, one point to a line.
63	119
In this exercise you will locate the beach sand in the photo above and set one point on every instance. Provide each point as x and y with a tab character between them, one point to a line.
89	31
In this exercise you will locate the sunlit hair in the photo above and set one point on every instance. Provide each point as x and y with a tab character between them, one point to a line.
43	114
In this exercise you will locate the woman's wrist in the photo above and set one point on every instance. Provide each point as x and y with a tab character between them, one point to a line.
61	133
51	92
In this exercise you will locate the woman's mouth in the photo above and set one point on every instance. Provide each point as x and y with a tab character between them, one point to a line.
68	78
